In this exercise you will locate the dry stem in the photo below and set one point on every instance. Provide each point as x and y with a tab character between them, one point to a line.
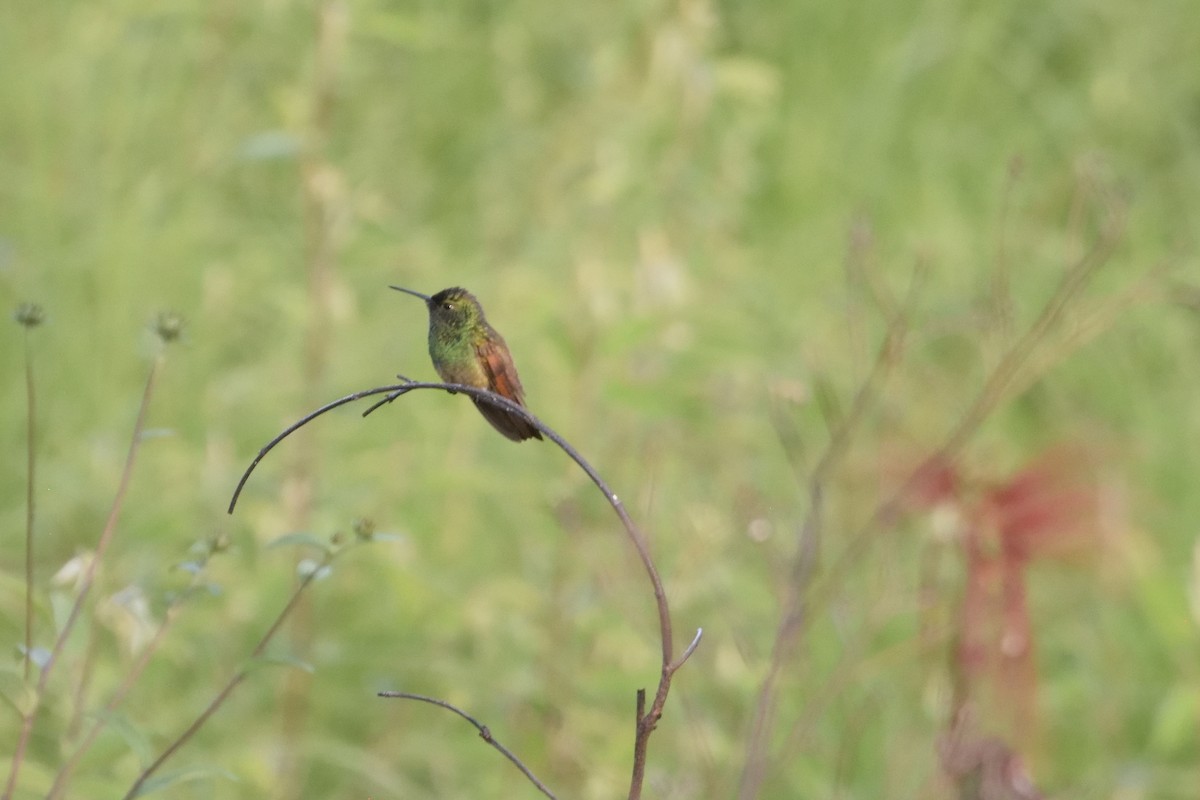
646	721
89	577
485	733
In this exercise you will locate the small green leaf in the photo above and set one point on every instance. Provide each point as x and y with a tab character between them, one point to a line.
39	655
300	538
1174	729
269	146
184	776
20	693
319	570
280	661
60	607
133	737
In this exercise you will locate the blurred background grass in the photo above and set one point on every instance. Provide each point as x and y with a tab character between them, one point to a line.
655	202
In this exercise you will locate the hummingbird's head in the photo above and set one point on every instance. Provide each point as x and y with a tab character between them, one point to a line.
450	309
454	308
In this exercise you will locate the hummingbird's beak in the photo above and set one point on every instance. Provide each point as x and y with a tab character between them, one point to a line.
424	297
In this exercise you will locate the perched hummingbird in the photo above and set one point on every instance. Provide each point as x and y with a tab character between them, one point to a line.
466	349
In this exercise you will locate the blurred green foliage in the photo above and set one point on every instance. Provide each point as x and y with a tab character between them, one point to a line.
656	202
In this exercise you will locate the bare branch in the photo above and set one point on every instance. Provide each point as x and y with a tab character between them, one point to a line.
67	770
89	576
232	683
1000	303
996	388
295	426
687	652
649	721
30	481
485	733
796	604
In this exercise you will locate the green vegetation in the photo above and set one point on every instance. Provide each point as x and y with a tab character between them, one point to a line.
695	224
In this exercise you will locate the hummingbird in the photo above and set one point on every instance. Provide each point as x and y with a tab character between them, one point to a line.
465	349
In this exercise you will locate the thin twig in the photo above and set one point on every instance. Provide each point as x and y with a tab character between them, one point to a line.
485	733
995	389
67	770
88	579
687	651
1001	300
395	391
795	610
639	753
30	464
1092	323
295	426
669	665
233	682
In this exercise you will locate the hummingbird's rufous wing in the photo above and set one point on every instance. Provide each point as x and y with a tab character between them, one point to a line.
501	374
502	379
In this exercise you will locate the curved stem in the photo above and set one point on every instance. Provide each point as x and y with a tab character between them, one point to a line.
398	390
485	733
295	426
647	720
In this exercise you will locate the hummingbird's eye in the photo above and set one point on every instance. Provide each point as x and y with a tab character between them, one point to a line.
448	306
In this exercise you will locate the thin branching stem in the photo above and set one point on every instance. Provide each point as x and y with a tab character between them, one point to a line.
1001	300
88	579
67	770
997	386
804	563
393	392
30	475
485	733
295	426
63	777
227	689
669	665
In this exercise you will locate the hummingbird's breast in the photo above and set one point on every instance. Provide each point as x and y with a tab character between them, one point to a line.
467	373
456	360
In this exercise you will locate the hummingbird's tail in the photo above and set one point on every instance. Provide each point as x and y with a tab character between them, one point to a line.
507	423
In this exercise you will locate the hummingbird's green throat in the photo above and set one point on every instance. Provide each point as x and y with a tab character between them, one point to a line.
467	350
